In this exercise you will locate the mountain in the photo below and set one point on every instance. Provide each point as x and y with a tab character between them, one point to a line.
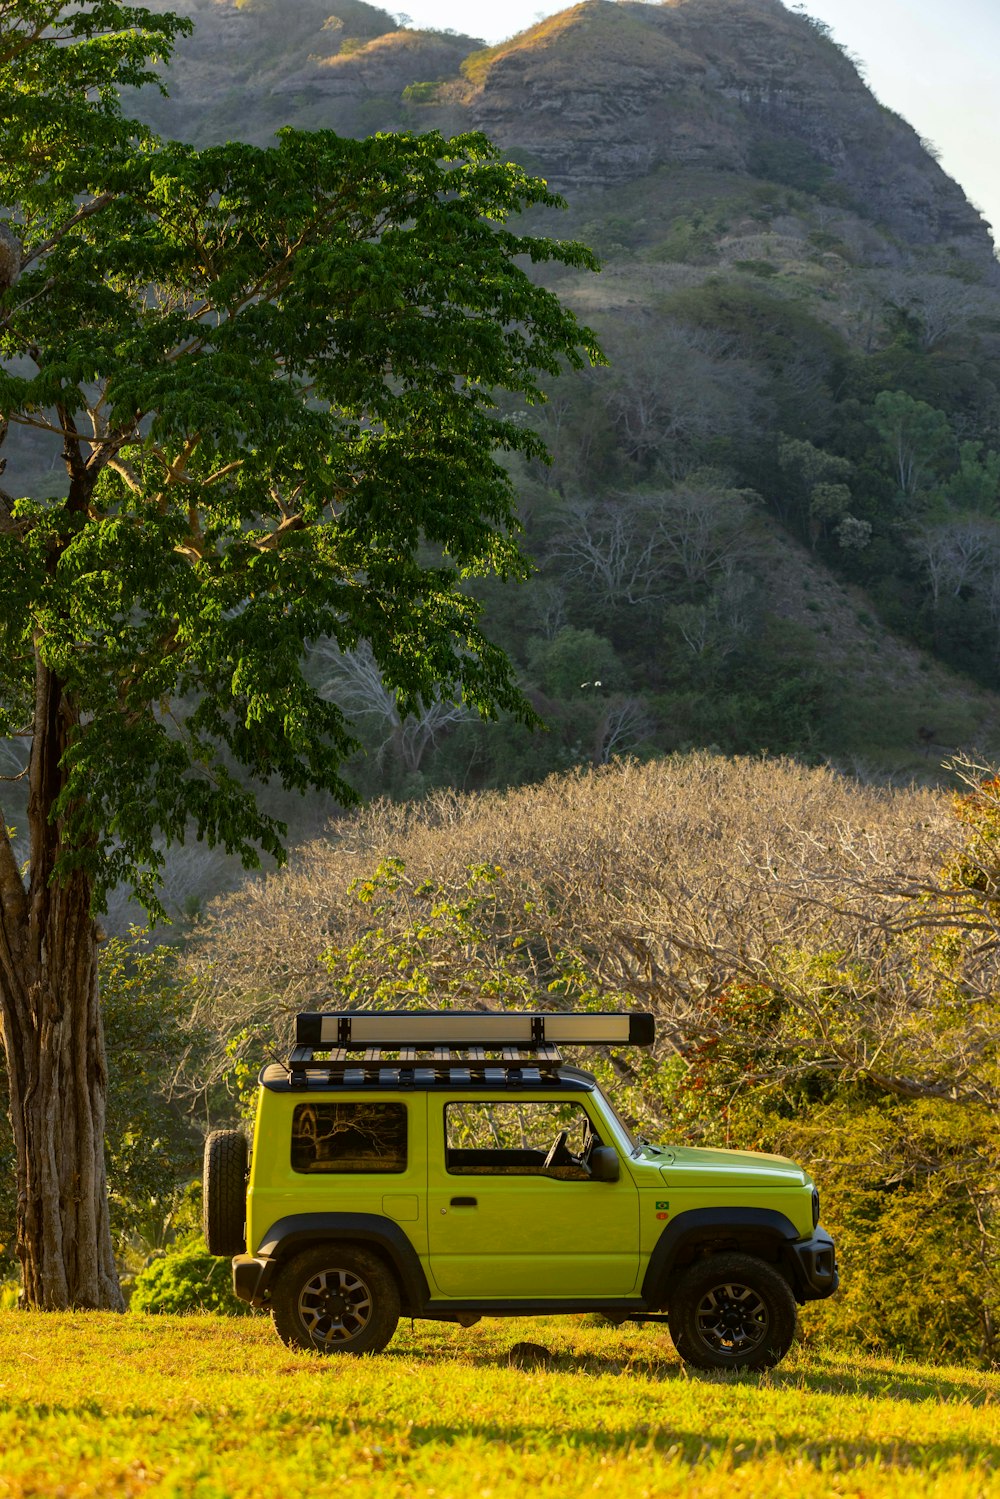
598	95
774	520
255	65
606	91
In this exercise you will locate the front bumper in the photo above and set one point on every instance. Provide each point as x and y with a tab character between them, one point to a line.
252	1277
813	1263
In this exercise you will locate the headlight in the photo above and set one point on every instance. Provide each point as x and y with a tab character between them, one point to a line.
815	1208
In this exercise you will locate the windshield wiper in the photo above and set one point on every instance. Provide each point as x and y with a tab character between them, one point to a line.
648	1145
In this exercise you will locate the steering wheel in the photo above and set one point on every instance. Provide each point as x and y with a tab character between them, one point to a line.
556	1151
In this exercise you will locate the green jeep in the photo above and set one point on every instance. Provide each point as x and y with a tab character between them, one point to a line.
449	1165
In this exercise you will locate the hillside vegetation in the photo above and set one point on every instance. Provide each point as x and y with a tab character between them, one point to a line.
204	1407
773	521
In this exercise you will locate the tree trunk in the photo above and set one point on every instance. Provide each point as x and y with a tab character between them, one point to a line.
54	1042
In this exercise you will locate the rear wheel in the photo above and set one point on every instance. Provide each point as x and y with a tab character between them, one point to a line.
732	1311
335	1298
224	1192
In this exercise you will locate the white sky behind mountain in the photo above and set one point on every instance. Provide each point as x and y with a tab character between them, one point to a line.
937	64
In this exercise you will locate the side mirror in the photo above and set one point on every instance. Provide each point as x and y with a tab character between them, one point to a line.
604	1164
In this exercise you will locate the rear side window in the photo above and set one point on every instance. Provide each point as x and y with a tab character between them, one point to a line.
349	1137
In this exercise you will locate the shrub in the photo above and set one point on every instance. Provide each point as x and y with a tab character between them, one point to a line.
909	1188
187	1279
790	162
422	93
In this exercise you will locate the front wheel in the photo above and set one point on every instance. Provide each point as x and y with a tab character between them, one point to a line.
335	1299
732	1311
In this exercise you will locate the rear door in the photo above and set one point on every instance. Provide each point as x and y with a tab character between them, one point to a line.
343	1152
512	1209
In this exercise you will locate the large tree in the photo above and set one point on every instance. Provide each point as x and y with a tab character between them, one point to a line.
271	379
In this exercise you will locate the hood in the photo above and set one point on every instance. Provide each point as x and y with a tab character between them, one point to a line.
689	1166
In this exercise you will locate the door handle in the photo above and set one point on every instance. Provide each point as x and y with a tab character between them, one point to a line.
464	1202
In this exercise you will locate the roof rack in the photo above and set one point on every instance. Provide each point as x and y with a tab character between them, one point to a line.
464	1045
357	1029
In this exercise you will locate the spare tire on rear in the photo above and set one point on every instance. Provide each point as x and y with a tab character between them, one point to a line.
224	1192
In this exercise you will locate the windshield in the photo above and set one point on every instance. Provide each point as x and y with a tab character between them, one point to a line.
633	1143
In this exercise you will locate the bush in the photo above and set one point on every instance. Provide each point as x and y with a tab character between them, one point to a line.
187	1279
422	93
909	1191
574	662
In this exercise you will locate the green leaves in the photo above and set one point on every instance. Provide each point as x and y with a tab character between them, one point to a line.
917	437
273	379
61	128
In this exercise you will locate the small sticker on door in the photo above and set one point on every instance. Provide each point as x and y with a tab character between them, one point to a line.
664	1205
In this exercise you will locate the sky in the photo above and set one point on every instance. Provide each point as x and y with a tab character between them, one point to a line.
936	62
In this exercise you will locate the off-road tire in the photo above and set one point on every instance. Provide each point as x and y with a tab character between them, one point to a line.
224	1192
732	1311
335	1298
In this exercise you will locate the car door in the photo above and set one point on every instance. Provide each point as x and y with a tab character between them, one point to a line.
513	1212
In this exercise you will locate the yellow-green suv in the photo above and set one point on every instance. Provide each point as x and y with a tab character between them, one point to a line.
449	1165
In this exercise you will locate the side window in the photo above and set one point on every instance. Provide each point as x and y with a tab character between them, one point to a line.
349	1137
518	1139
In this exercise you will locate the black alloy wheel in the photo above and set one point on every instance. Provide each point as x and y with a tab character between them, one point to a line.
336	1299
334	1306
732	1311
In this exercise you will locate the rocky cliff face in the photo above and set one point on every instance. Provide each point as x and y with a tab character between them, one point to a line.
599	95
372	85
254	65
613	90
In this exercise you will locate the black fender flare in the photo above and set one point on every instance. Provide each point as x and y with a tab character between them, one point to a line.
288	1235
751	1226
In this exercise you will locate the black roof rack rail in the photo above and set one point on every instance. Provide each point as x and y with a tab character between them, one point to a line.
474	1063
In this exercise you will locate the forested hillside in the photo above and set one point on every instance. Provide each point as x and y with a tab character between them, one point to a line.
771	521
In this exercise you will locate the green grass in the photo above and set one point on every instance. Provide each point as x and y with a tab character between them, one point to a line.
143	1406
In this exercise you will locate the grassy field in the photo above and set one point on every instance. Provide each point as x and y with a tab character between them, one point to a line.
101	1405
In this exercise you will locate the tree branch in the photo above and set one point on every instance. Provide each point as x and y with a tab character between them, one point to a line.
21	420
85	212
27	39
126	472
221	473
8	525
911	1087
176	471
277	538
